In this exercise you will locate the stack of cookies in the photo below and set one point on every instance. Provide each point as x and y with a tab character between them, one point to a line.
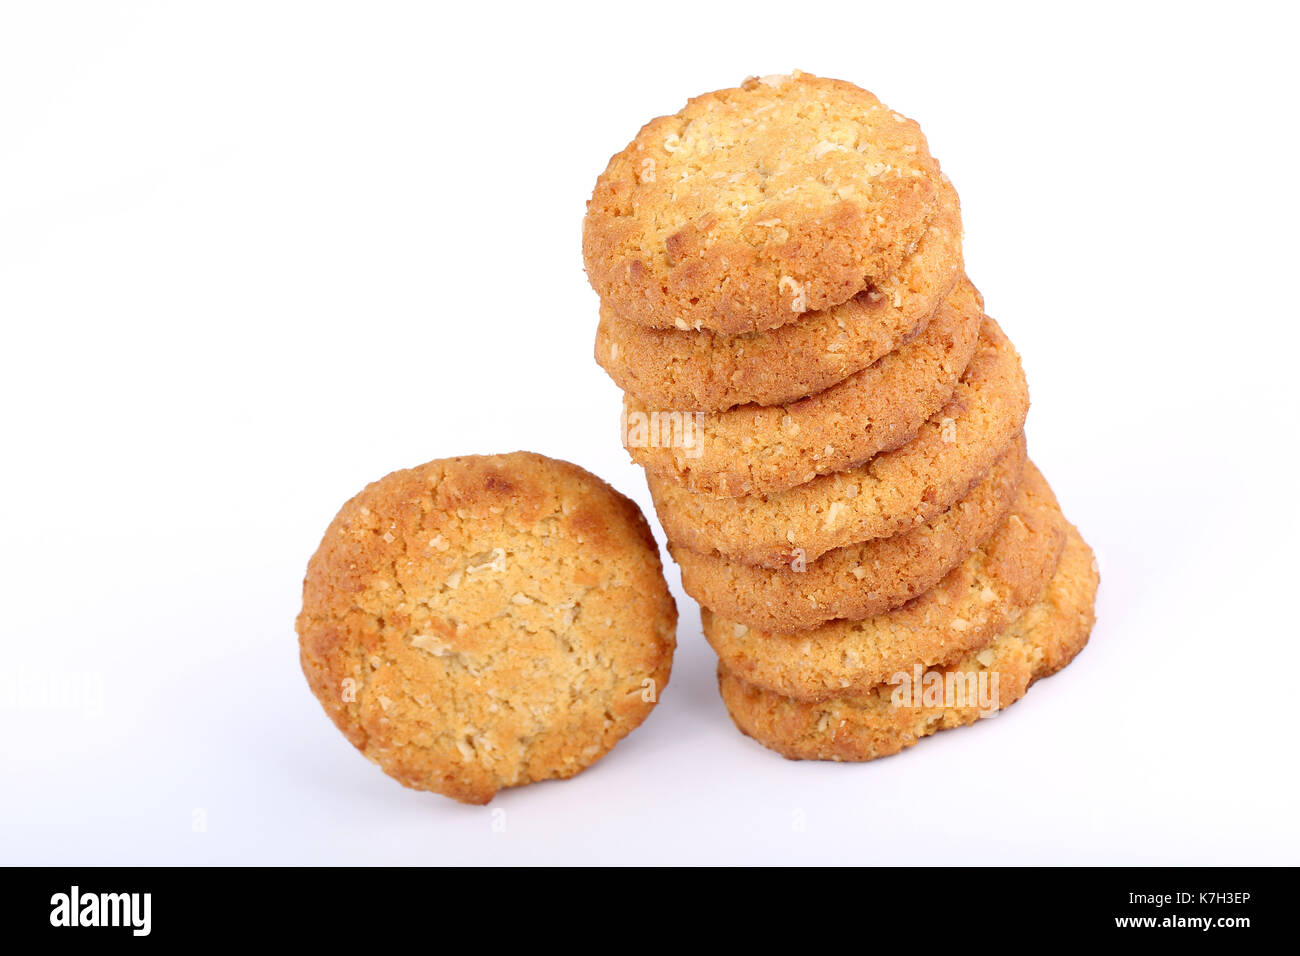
831	427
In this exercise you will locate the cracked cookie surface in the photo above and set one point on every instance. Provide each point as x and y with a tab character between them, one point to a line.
485	622
754	205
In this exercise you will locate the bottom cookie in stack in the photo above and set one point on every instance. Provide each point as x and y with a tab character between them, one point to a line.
893	715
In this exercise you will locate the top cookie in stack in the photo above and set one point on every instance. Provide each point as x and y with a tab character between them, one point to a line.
831	427
752	206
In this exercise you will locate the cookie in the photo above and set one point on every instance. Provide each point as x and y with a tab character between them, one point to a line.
761	449
888	718
671	368
754	205
485	622
860	580
884	496
962	613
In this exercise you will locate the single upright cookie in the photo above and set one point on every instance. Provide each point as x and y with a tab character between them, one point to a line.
885	496
487	621
675	368
962	613
892	716
760	449
754	205
860	580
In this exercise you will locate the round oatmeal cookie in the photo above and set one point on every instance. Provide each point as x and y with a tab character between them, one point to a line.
757	204
860	580
487	621
885	496
888	718
761	449
672	368
962	613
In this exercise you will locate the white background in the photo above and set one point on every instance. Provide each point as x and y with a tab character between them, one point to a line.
253	256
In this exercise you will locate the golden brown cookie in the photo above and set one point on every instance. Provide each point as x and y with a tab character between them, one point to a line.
884	496
761	449
754	205
962	613
672	368
888	718
485	622
860	580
